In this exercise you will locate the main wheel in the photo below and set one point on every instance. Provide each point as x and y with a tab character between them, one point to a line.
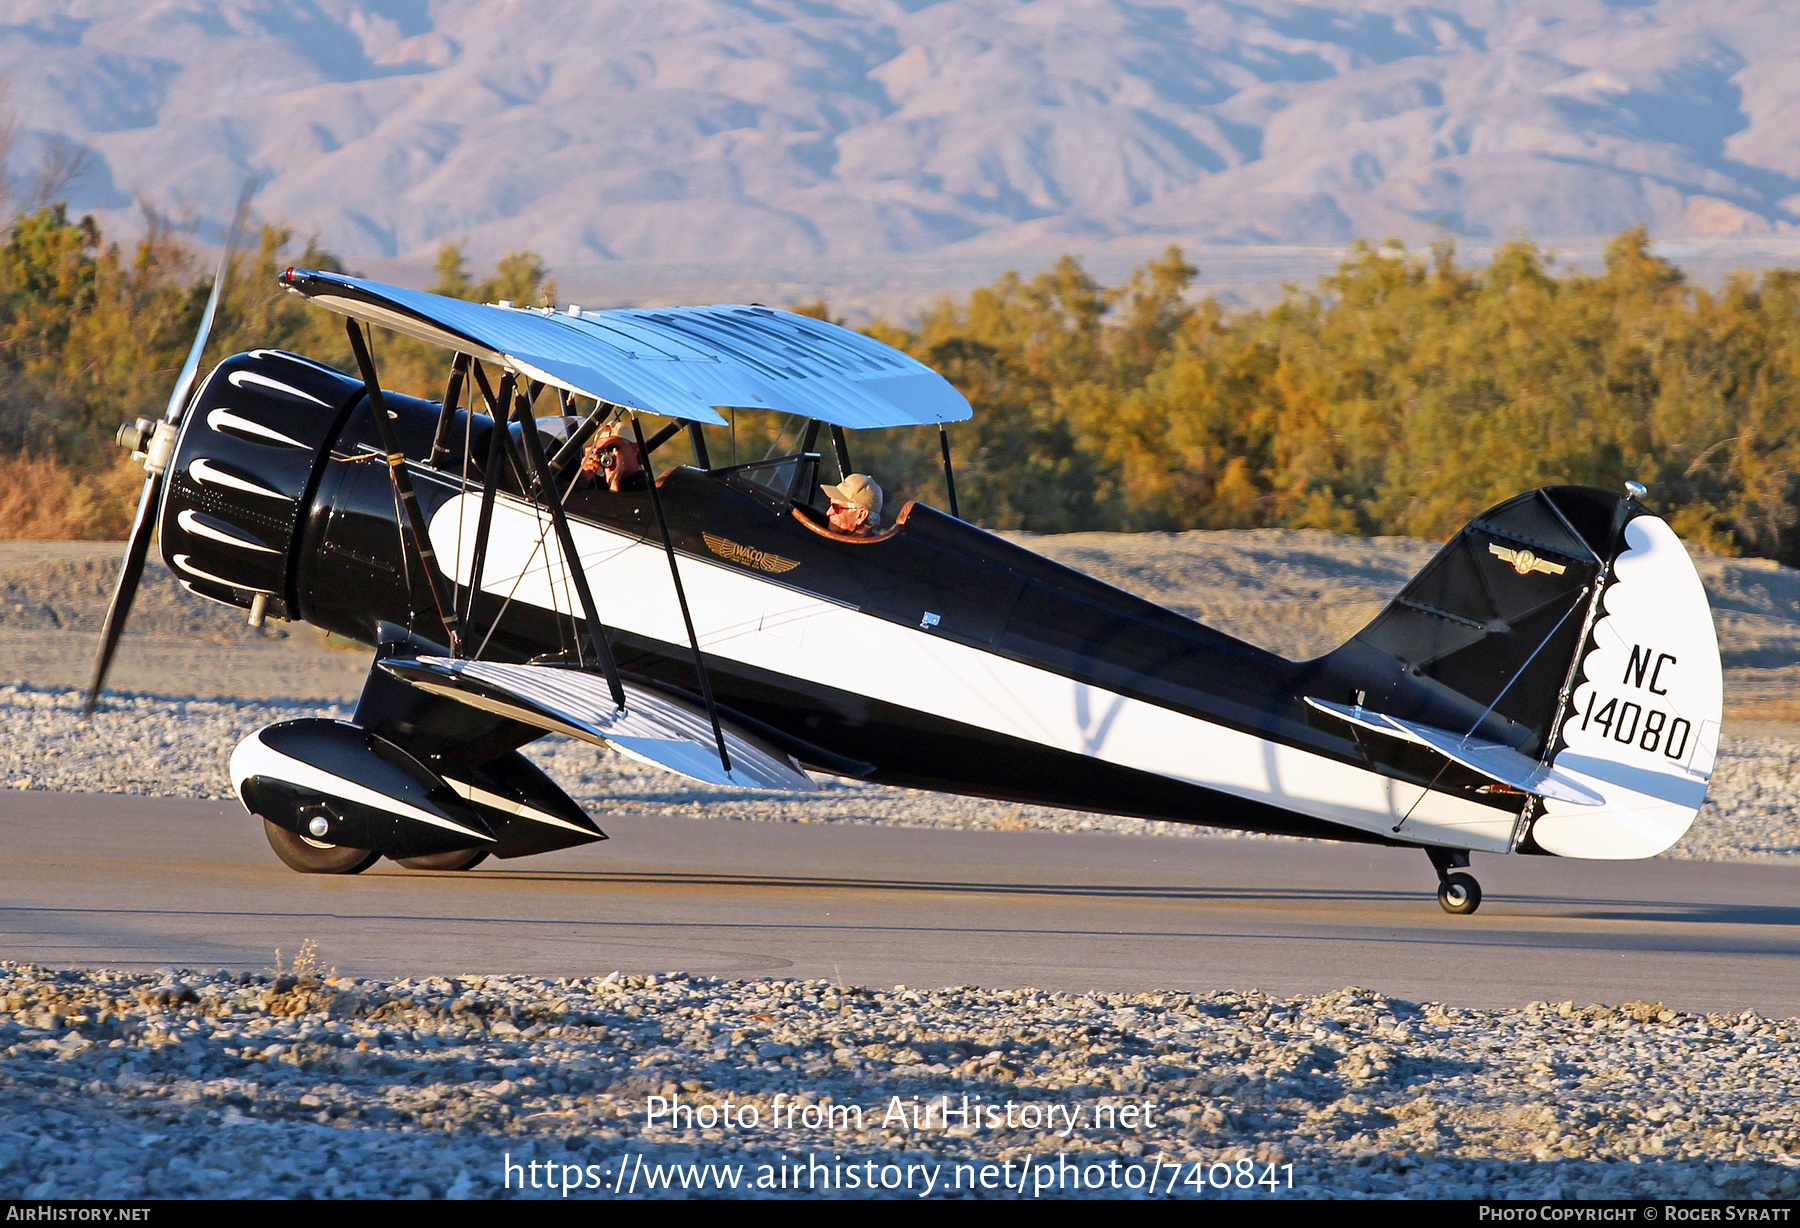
1459	894
461	859
311	856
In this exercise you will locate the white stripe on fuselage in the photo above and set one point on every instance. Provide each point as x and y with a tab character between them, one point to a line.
766	625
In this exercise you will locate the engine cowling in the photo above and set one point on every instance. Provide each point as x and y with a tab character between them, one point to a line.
244	468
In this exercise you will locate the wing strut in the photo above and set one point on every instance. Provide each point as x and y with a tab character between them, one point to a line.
697	438
490	478
841	446
396	460
949	475
440	443
662	523
546	482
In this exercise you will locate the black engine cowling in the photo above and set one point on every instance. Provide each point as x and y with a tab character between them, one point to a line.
247	461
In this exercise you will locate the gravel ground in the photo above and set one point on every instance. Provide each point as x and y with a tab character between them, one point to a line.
185	1084
178	747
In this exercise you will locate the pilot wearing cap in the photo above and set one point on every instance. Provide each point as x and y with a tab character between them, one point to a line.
855	505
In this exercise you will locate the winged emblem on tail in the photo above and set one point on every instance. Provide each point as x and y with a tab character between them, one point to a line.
1525	562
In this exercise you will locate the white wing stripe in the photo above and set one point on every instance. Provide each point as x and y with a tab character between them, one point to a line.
649	728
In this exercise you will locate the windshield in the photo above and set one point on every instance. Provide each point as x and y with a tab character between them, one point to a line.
784	479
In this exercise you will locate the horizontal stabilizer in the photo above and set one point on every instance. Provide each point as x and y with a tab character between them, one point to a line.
651	727
1493	760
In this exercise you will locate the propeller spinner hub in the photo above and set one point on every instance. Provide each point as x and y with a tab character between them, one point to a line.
152	442
134	436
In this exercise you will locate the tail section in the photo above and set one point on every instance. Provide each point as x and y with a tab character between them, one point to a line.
1642	725
1560	646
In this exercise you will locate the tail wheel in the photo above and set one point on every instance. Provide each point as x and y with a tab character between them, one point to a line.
1459	894
461	859
311	856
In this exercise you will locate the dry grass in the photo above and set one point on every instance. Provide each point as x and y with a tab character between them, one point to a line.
42	499
1761	712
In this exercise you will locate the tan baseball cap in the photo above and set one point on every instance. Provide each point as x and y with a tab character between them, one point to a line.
857	490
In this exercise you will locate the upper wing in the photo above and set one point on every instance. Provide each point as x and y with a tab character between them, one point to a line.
675	361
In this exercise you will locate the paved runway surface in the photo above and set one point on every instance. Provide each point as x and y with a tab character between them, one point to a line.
101	880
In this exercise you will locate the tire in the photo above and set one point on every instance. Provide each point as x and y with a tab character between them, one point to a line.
312	857
461	859
1459	894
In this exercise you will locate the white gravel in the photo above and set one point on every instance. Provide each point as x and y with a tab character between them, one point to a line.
178	747
182	1084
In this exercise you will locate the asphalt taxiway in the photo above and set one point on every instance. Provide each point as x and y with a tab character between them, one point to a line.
105	880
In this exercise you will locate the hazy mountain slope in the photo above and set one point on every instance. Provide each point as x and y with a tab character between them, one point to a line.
766	129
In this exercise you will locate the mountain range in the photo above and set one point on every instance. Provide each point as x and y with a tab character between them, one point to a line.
821	131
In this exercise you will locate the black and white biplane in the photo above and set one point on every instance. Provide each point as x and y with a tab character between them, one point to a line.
1549	683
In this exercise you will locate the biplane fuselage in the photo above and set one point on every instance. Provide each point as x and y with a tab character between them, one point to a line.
938	655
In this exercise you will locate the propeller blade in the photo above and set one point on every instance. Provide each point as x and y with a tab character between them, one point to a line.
143	525
136	549
184	383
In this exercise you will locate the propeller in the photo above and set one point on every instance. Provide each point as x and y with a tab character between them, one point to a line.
155	441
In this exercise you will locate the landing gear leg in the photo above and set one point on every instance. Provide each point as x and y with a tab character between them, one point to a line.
1457	893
